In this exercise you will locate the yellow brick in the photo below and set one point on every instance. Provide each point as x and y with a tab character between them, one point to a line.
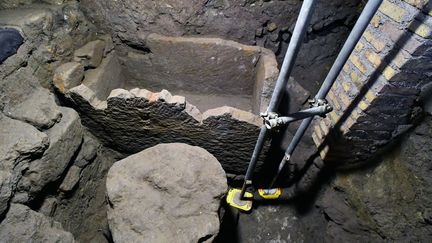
363	105
370	96
346	68
317	130
389	72
393	11
376	43
420	29
356	79
349	122
326	121
324	152
334	117
417	3
315	139
401	58
356	61
346	86
374	58
355	115
420	4
334	100
345	100
359	46
376	20
324	128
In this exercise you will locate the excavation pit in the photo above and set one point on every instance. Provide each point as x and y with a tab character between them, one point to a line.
229	81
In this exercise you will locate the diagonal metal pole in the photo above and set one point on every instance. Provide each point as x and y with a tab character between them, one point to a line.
288	63
355	35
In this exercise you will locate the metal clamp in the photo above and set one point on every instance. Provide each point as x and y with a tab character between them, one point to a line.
320	103
318	107
271	119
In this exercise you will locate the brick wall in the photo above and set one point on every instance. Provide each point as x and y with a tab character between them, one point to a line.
375	95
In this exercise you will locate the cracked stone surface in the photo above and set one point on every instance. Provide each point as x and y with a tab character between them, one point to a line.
166	193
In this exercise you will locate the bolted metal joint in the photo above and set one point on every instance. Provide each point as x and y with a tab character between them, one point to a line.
270	119
323	103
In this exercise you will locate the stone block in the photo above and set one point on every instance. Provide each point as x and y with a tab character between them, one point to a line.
104	78
71	179
109	45
90	55
65	138
38	108
87	153
68	75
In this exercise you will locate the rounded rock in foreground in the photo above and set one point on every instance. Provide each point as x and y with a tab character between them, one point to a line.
167	193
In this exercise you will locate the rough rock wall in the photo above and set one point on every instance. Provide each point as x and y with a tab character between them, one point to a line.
39	140
264	23
391	200
149	118
79	203
5	4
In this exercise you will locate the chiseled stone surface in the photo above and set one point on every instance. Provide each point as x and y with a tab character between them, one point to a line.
22	224
149	118
166	193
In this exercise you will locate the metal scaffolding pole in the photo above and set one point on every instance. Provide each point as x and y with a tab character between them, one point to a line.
300	28
355	35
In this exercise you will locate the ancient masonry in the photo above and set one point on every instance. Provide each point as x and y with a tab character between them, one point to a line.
374	97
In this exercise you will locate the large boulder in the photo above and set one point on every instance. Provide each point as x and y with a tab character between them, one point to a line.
25	225
167	193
